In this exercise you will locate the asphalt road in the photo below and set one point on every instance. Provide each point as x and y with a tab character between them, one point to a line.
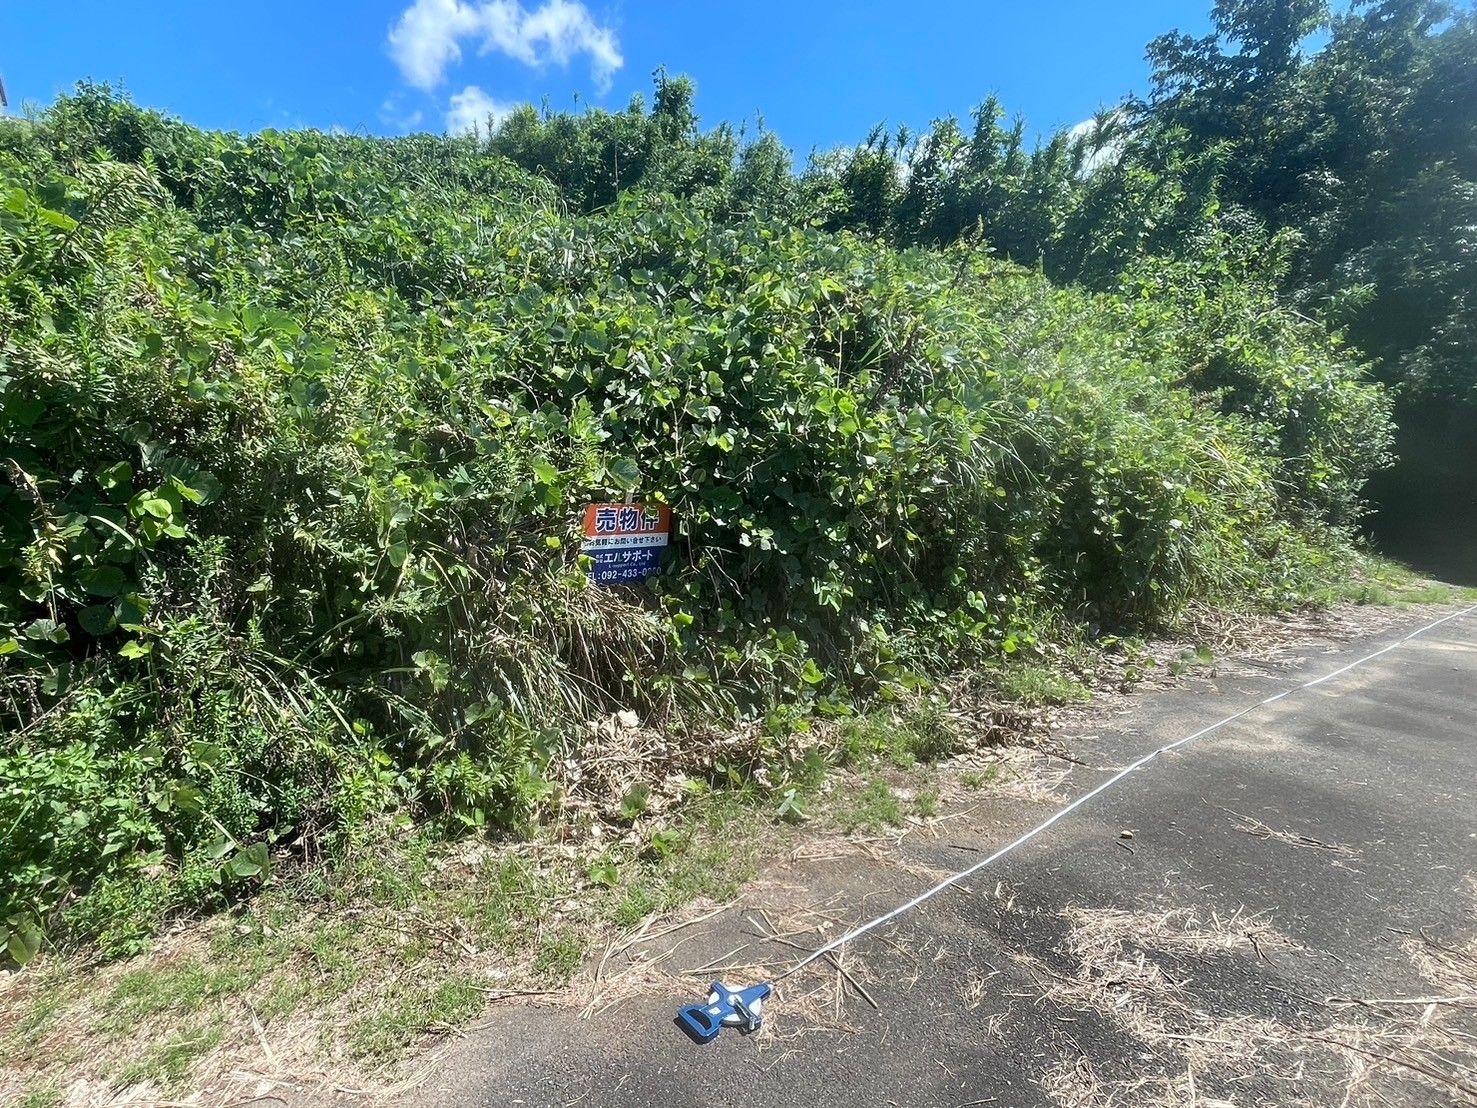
1281	913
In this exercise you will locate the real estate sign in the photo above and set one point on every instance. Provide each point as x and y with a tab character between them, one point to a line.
625	541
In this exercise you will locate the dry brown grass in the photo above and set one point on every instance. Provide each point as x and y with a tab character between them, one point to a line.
1202	1059
1075	1083
1116	974
1451	968
618	763
779	921
317	999
1254	827
88	1066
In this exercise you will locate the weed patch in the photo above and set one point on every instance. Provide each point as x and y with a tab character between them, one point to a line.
980	779
926	804
1037	685
46	1096
874	809
385	1034
559	955
898	737
168	1063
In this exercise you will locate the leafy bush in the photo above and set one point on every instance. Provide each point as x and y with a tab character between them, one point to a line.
1308	400
297	429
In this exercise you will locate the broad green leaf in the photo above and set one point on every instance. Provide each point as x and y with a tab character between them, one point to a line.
250	862
24	410
24	940
131	611
201	488
114	476
604	871
206	753
98	619
47	630
103	580
625	474
59	220
188	798
434	667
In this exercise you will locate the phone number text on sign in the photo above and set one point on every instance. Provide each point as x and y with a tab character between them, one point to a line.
625	541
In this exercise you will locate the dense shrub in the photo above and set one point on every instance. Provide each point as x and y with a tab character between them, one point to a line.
296	430
1217	315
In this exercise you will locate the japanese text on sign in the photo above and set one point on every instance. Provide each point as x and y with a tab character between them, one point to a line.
625	541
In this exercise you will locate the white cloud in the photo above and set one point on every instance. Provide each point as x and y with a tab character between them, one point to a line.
428	37
1102	148
393	114
472	111
424	41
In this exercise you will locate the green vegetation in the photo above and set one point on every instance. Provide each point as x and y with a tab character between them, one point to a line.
979	779
1378	581
167	1063
1364	184
1335	144
412	1011
926	804
1036	684
295	429
400	939
873	808
44	1097
898	738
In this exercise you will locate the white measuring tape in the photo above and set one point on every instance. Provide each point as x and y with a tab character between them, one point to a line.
1109	783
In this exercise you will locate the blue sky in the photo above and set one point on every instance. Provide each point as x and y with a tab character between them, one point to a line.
820	74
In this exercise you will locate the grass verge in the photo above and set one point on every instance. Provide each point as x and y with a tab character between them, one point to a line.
341	971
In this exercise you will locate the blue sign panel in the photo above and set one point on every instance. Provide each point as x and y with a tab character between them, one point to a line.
625	541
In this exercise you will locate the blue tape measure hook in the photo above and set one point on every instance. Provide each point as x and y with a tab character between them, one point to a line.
741	1008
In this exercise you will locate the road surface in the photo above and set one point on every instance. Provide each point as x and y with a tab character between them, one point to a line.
1280	913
